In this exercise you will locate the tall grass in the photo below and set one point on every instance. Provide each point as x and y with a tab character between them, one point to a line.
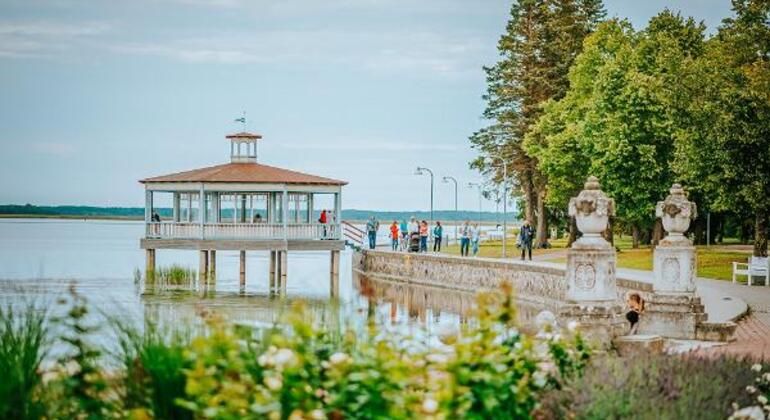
154	363
173	275
23	346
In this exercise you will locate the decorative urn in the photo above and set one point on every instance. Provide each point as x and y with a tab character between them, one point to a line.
591	209
676	212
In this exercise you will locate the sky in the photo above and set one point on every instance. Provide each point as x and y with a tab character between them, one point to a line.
95	95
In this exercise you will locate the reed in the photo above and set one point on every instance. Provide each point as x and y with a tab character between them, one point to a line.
23	346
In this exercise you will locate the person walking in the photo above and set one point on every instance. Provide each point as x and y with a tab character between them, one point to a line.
465	238
424	236
322	220
438	233
372	226
475	237
404	229
394	236
526	234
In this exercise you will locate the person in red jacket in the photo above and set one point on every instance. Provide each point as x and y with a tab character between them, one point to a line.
322	220
394	234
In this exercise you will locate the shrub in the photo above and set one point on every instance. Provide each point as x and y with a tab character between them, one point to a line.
651	387
22	348
758	393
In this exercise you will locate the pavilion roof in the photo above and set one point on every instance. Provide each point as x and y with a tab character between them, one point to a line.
244	135
245	173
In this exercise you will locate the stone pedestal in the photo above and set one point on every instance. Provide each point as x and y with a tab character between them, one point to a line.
672	315
674	268
599	324
638	345
591	272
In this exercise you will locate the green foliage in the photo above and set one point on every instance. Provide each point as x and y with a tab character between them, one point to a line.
22	348
652	387
174	275
758	392
618	121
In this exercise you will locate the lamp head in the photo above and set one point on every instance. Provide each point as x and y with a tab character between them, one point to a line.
418	171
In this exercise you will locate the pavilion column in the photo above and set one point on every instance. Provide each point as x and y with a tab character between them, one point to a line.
176	207
203	267
212	265
202	208
147	206
149	271
242	277
338	213
334	271
272	274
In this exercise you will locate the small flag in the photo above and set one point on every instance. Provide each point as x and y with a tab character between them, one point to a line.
241	120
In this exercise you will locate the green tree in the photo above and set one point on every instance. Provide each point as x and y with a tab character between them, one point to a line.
618	120
726	151
541	41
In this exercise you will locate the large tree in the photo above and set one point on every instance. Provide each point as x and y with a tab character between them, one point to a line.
618	120
727	148
541	41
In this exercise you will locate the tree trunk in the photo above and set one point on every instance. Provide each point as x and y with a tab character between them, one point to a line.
530	198
635	236
541	238
657	232
699	231
760	234
573	231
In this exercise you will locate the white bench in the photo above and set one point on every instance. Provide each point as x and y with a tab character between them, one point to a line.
757	266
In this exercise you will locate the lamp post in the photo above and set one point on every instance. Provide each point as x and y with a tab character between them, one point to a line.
446	179
505	198
421	171
481	195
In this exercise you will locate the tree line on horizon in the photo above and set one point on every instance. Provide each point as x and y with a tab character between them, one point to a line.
166	213
576	94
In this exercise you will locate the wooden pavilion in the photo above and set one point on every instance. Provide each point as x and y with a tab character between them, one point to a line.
244	206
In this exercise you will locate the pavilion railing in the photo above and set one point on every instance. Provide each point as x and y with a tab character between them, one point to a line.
242	231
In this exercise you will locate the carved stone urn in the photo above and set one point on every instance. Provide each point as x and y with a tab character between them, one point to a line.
674	260
676	212
591	209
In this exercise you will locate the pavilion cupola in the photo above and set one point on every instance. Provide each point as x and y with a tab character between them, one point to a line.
243	147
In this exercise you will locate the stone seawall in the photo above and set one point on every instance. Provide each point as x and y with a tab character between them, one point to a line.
539	283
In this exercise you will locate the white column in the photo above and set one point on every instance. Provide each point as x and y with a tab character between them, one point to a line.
175	216
202	207
338	212
285	210
147	206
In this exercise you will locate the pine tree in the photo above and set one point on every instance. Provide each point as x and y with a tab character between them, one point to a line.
541	41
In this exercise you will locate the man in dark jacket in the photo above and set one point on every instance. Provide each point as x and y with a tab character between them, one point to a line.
526	234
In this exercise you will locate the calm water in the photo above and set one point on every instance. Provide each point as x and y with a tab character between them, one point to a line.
40	258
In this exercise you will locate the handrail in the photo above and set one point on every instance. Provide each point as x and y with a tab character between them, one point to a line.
352	226
244	231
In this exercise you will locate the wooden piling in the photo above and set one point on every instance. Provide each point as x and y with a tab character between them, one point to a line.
282	268
149	271
334	272
272	273
243	269
203	266
212	265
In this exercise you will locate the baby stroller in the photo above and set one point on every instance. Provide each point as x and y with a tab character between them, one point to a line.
414	242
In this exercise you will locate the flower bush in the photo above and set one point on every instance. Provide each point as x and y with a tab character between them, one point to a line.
759	393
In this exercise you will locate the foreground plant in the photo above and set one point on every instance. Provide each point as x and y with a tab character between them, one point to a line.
23	347
759	393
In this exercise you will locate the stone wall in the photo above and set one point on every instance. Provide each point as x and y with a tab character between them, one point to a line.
541	284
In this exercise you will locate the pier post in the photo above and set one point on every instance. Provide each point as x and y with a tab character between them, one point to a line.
203	267
334	271
212	265
149	270
284	262
243	269
271	275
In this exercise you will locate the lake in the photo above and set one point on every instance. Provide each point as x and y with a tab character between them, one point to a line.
39	258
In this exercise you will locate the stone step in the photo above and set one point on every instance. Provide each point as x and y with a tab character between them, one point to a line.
716	331
634	345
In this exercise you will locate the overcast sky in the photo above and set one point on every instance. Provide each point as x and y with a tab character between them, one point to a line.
95	95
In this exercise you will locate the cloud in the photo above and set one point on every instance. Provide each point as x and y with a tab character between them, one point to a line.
37	39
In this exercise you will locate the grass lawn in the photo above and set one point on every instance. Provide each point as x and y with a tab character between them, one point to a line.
713	262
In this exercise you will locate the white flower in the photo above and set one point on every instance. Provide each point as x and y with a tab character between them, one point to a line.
572	326
265	361
317	414
429	406
750	389
766	377
338	358
756	367
436	358
539	379
284	357
749	413
273	383
762	399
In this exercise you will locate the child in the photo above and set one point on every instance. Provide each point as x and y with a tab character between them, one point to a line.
636	307
394	236
423	236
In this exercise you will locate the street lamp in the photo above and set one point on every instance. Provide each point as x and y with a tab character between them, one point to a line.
479	186
491	160
421	171
446	179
